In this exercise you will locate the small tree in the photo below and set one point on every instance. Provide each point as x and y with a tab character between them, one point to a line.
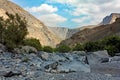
12	30
63	48
48	49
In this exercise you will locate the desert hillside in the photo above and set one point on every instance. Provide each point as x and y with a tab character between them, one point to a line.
35	27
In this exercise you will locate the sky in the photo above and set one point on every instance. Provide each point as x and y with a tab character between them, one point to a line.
70	13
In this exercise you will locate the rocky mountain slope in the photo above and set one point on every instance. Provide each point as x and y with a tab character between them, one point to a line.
110	19
94	33
35	27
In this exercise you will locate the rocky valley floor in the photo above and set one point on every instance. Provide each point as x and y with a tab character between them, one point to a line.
77	65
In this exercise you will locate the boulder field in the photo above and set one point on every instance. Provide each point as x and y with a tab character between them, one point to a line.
78	65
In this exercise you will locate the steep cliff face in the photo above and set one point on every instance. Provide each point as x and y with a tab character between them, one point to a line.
35	27
94	33
63	33
110	19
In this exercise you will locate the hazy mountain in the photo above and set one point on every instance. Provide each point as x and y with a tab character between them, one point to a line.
35	27
94	33
63	33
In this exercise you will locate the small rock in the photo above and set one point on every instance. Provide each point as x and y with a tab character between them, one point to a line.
44	55
104	60
118	54
52	66
81	53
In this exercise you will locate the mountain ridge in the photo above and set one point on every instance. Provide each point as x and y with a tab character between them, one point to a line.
94	34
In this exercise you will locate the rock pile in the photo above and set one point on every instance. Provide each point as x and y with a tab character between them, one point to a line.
76	65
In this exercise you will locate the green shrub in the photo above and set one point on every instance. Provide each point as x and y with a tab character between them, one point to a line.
48	49
111	40
92	46
78	47
63	48
10	45
112	50
111	44
32	42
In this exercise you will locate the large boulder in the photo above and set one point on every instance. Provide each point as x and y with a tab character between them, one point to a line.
35	60
112	68
73	66
97	57
115	58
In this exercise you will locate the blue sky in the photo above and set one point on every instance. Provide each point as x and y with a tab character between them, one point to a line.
70	13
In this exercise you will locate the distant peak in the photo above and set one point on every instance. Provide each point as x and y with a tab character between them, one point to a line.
110	19
115	13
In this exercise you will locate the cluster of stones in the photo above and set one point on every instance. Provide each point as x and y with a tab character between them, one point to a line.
26	63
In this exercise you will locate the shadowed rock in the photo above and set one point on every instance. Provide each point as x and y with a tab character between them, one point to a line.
10	74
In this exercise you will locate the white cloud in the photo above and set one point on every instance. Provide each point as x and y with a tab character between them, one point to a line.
44	8
52	19
84	21
80	20
96	10
47	14
64	1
